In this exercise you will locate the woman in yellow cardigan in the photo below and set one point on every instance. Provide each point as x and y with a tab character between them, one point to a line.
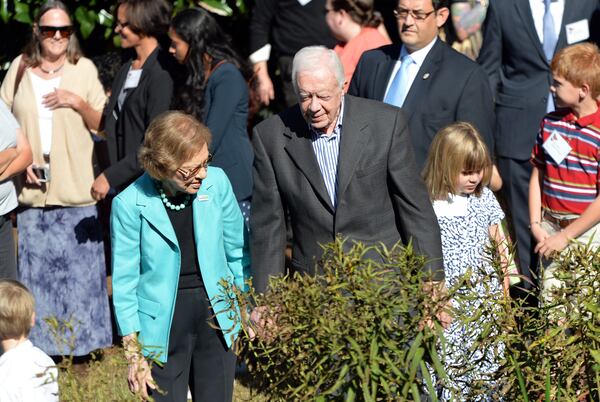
57	98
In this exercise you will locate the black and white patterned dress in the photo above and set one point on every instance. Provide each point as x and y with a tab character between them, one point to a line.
464	224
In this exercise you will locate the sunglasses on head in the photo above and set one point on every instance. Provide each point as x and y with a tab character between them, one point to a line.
48	32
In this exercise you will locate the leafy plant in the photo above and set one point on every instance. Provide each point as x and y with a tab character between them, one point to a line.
351	333
355	332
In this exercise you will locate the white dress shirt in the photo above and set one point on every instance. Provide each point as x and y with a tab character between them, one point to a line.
557	8
27	375
418	59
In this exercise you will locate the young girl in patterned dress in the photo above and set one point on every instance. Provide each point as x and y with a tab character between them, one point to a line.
457	173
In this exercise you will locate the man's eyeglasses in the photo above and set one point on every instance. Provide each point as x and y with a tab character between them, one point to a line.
187	174
419	15
48	32
122	25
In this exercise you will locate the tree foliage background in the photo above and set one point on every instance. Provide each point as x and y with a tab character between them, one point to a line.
94	23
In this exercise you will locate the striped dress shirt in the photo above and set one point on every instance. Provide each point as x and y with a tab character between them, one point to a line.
327	150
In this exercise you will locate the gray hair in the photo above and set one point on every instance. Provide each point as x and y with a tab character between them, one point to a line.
315	58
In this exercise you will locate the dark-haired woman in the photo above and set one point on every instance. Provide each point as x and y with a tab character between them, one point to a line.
216	92
357	28
142	90
56	96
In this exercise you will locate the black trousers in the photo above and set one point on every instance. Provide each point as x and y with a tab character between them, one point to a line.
8	259
198	355
515	175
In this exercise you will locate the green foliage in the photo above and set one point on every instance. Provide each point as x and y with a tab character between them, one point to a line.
348	334
94	21
353	333
554	351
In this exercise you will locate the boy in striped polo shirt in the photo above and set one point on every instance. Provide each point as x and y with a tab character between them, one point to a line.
564	202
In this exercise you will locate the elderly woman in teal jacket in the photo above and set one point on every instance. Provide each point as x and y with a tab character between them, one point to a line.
177	232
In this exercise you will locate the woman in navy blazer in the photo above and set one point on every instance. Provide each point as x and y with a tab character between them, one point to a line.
216	92
177	233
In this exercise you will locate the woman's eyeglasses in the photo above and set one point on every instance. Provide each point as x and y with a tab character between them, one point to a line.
187	174
48	32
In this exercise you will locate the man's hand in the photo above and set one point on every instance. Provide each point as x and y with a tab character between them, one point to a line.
439	306
100	187
266	91
262	324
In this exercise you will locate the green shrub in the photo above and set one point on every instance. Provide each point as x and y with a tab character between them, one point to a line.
350	333
354	332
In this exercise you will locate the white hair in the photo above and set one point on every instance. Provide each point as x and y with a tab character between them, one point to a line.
315	58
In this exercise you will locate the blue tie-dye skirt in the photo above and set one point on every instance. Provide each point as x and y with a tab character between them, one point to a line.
61	260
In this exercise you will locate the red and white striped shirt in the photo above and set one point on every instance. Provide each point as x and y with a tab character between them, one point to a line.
571	185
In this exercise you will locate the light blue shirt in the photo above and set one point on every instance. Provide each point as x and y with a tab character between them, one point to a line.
8	139
327	150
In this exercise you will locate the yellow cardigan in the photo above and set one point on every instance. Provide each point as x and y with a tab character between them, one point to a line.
72	151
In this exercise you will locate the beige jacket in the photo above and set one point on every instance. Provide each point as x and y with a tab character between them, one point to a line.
72	151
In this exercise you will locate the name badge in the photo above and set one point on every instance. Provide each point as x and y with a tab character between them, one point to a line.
133	79
577	31
202	197
557	147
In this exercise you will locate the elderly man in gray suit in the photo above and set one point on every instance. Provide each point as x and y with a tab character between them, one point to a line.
339	165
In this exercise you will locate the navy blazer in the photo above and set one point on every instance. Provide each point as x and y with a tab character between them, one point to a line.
448	88
226	115
514	60
125	134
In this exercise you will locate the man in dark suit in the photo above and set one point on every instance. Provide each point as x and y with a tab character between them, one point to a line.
339	165
439	85
520	39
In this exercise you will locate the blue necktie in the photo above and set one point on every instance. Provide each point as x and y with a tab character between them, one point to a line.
550	39
400	85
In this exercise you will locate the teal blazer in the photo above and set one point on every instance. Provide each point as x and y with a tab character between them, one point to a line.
146	258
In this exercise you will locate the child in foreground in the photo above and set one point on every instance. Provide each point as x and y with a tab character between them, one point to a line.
564	207
457	173
26	373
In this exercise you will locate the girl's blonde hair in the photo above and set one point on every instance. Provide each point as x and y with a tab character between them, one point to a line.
455	148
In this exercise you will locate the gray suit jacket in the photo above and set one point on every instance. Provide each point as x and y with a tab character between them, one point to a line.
380	196
520	76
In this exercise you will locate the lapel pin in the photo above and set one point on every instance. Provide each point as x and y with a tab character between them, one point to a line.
426	75
202	197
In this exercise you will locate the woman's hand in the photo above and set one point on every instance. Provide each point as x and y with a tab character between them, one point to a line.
552	244
100	187
62	98
31	178
139	376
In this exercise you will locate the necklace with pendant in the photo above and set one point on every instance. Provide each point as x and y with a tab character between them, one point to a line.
51	72
174	207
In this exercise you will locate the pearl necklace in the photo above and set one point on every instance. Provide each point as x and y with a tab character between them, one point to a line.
187	201
50	72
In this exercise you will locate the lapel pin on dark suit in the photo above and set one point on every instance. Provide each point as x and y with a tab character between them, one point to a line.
426	75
